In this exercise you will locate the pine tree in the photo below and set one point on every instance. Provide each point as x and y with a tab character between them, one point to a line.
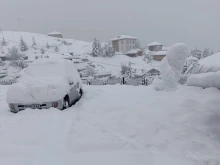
47	46
34	43
23	45
56	48
96	48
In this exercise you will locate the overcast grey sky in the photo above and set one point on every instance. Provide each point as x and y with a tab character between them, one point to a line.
194	22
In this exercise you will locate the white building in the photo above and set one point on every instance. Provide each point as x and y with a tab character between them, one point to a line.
124	43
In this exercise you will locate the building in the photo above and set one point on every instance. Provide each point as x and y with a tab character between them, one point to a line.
55	34
155	46
158	51
124	43
134	53
159	55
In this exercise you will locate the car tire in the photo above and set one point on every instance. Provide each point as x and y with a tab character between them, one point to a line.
66	103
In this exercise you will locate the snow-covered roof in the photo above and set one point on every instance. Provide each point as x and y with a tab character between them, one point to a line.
53	33
120	37
159	53
133	51
154	44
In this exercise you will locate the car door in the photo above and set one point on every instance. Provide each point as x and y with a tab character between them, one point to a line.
74	94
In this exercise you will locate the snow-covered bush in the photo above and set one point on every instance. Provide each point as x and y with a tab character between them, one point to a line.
126	69
205	80
56	48
16	58
206	52
148	56
159	84
47	46
189	64
90	71
42	50
3	43
23	45
96	48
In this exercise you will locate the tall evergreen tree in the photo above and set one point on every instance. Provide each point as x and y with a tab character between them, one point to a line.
23	45
33	42
96	48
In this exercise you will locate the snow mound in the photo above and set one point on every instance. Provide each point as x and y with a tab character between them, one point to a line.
177	55
205	80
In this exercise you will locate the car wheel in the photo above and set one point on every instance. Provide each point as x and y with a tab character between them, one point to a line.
66	103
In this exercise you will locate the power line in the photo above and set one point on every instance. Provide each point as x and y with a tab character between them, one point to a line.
65	52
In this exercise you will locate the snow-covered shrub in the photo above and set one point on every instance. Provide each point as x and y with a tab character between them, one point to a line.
47	46
148	56
42	50
176	55
36	57
90	71
126	69
189	64
16	58
170	75
3	43
159	84
23	45
56	48
96	48
205	80
206	52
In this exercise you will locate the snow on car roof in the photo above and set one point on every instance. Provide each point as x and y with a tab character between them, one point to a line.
212	61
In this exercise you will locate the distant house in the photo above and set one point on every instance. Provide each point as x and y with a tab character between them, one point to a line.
155	46
159	55
134	53
158	51
124	43
55	34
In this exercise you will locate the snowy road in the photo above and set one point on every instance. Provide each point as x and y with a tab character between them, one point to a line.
116	125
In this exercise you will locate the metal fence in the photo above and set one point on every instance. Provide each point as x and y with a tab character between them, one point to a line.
118	80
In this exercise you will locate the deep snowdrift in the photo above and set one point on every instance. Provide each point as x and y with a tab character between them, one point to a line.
148	127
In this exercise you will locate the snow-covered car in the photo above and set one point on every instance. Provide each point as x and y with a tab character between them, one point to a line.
44	84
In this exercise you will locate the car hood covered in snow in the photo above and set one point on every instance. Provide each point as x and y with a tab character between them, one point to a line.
39	90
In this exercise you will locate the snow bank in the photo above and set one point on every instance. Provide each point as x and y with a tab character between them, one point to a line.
205	80
177	55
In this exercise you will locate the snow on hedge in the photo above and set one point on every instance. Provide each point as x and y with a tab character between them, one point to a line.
205	80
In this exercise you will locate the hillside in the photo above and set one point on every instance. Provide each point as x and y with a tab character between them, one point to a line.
79	49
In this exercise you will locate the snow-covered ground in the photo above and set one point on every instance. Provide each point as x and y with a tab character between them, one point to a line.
117	125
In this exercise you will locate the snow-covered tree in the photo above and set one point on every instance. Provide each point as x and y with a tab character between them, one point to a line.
96	48
23	45
16	58
3	42
206	52
108	51
147	56
137	44
189	64
126	69
90	71
34	42
212	52
42	50
56	48
47	46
